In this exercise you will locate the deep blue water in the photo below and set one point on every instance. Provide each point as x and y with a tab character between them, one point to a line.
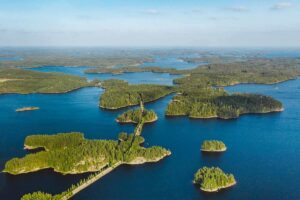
133	78
263	150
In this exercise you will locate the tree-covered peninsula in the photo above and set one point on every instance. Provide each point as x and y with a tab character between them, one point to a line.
71	153
224	72
137	116
217	103
119	94
213	146
13	80
213	179
255	70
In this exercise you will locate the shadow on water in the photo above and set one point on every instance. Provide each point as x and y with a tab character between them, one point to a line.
214	195
44	180
213	155
36	150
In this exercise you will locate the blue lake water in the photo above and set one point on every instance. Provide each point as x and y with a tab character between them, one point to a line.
133	78
171	62
263	150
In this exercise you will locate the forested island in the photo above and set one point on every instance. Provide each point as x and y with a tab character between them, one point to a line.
255	70
119	94
213	179
38	57
213	146
24	109
14	80
132	69
225	71
71	153
136	116
206	103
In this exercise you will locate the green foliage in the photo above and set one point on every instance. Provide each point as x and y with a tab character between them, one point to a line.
263	71
224	71
53	142
26	81
213	145
118	94
36	57
213	179
123	136
213	103
71	153
132	69
37	196
136	116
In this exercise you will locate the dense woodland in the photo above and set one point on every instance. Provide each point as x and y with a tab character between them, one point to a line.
38	196
225	71
118	94
263	71
137	116
21	81
213	179
132	69
213	145
216	103
71	153
93	57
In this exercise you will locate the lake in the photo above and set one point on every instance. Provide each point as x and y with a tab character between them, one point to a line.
263	150
133	78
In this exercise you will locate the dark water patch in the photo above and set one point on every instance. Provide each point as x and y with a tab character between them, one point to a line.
44	180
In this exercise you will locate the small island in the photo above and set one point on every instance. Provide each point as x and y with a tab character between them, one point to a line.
24	109
213	146
136	116
119	94
206	103
213	179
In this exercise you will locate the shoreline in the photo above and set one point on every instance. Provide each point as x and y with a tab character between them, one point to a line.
116	108
136	161
63	92
142	160
214	151
25	109
134	122
221	118
219	188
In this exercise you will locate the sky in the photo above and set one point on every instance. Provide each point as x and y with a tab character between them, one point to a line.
159	23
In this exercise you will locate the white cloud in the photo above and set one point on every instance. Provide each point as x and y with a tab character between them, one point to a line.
281	6
238	9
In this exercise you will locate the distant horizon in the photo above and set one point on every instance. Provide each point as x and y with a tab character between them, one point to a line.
160	47
114	23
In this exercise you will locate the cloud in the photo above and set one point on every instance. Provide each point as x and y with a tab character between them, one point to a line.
151	11
197	10
281	6
213	18
237	9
